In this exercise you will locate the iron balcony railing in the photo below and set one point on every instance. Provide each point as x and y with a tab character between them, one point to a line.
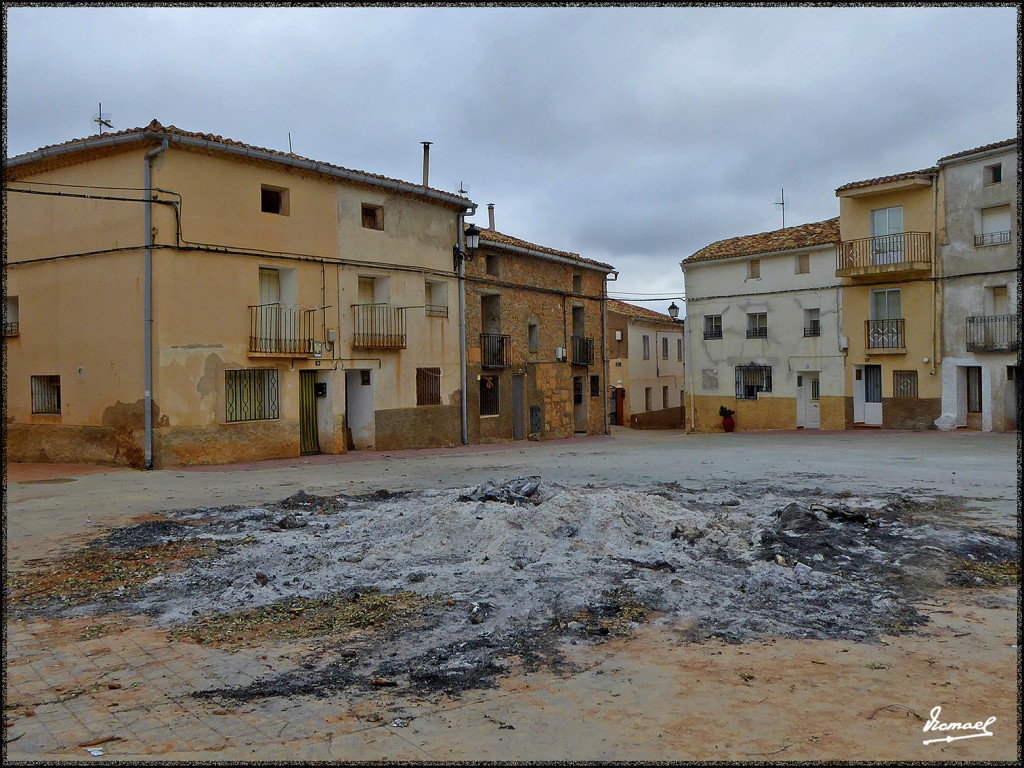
495	350
813	329
275	329
885	250
11	329
582	350
992	238
884	334
378	326
757	333
993	333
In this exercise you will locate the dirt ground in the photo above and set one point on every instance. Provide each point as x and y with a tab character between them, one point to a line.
657	690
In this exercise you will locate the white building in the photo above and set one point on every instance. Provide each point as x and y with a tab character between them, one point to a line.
763	330
980	301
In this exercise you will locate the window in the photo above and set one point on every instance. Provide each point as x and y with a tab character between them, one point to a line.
533	338
46	394
664	348
754	269
492	264
647	348
815	389
887	235
435	299
812	322
373	216
251	394
712	326
904	383
647	399
428	386
995	226
803	263
664	397
679	350
274	200
751	379
885	304
757	325
595	386
993	174
11	327
577	283
488	395
885	328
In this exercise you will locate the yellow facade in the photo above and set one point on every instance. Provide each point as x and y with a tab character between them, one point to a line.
76	266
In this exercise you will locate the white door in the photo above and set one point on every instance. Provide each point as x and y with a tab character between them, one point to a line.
858	394
873	395
808	401
359	409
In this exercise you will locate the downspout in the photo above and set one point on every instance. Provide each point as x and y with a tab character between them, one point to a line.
604	344
688	364
147	291
937	340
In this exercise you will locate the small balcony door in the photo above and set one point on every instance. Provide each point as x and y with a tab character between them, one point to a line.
885	332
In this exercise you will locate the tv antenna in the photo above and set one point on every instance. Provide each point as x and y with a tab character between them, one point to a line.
462	189
783	204
101	121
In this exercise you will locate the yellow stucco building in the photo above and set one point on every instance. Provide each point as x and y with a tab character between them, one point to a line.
182	298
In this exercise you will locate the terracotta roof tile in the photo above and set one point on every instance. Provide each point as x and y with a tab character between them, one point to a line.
156	127
499	239
639	313
887	179
790	238
996	145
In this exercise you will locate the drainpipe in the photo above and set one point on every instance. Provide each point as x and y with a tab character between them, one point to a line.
471	210
688	364
147	291
604	345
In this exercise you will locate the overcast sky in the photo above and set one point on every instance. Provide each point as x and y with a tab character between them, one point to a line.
630	135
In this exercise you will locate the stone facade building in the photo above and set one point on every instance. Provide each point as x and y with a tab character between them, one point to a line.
534	341
646	369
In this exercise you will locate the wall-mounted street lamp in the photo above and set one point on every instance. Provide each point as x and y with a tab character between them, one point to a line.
472	243
673	311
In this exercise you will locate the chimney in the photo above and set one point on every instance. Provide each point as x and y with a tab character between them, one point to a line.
426	161
490	216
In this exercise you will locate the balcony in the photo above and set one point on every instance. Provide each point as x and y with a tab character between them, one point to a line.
885	336
495	350
814	329
278	331
582	350
906	252
378	326
993	333
992	238
757	333
11	329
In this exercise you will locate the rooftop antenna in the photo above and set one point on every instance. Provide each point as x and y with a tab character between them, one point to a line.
783	204
101	121
462	189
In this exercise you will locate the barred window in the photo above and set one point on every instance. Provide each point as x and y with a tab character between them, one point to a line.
428	386
751	379
712	326
904	383
664	348
46	394
812	322
489	396
251	394
757	325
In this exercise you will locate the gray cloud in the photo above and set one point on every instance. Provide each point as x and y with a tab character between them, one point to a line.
632	135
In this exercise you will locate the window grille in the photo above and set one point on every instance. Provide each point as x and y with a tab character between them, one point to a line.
251	394
904	383
489	396
428	386
46	394
751	379
712	326
536	419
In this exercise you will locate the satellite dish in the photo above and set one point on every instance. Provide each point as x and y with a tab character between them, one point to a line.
103	121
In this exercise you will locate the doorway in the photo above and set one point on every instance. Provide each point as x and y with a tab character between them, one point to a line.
579	404
974	397
867	395
518	413
359	410
309	437
808	401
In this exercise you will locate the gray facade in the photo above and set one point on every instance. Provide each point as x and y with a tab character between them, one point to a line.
980	303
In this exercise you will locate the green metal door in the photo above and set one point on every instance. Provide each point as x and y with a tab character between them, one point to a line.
308	436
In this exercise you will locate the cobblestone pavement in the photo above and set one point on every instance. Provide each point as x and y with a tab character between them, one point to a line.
115	684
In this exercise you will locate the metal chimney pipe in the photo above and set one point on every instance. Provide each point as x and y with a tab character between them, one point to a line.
426	161
490	216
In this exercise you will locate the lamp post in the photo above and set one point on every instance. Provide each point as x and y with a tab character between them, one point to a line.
673	311
472	240
472	243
